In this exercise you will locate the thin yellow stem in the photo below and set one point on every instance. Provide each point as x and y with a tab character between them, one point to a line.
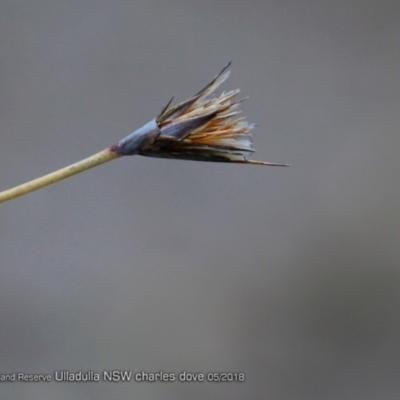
80	166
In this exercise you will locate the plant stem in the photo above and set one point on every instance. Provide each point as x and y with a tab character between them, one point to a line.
80	166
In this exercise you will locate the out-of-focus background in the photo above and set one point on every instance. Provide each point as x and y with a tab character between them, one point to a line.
291	276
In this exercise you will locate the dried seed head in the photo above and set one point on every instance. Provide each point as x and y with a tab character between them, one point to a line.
204	128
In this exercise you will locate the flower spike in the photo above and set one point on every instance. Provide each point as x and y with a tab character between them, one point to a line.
203	128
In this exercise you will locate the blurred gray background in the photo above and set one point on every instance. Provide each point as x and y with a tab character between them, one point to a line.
289	275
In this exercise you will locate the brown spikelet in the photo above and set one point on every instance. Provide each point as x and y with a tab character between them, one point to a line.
205	128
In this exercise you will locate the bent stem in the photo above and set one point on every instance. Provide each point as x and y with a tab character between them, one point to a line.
73	169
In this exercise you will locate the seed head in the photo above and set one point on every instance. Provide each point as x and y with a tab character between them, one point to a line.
203	128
